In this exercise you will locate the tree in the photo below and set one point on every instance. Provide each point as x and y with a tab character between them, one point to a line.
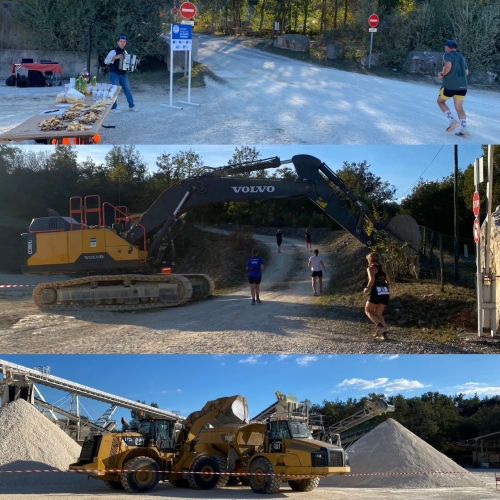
139	415
377	194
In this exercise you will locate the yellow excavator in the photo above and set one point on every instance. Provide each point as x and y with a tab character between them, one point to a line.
209	447
125	259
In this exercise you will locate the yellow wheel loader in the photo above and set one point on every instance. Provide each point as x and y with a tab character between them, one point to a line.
212	445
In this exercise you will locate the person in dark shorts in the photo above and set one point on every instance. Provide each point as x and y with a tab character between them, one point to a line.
454	76
279	239
316	263
308	240
378	289
255	265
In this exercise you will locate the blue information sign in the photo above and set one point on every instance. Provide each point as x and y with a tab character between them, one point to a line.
182	37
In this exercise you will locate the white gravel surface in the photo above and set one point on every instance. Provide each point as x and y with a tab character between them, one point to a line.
269	99
391	448
29	440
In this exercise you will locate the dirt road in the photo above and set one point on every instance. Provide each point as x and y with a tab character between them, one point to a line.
289	320
263	98
69	486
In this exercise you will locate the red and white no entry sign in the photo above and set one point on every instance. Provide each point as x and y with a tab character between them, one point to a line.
373	20
175	11
188	10
476	230
476	205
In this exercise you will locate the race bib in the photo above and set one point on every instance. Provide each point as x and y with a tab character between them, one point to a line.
383	290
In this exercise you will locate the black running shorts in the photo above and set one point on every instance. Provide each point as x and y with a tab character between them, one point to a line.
318	274
254	280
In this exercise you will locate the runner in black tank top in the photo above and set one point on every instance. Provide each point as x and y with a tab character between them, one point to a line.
378	291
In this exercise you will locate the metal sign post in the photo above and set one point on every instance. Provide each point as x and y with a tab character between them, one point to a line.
373	21
185	38
174	30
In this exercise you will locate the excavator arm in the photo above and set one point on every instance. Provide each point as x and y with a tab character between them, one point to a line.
226	184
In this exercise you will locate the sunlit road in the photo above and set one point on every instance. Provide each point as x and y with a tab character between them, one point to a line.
274	99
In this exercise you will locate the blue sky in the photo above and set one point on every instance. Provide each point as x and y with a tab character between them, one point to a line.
400	165
185	382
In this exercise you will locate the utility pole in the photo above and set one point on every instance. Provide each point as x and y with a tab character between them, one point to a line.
455	207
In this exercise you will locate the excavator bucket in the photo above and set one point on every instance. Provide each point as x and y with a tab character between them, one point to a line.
405	230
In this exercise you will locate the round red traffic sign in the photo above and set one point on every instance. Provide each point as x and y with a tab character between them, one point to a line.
373	20
175	11
188	10
476	229
476	205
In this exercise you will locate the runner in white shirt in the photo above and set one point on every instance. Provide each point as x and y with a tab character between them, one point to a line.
316	263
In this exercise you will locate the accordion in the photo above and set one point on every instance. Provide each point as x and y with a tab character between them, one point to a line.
128	62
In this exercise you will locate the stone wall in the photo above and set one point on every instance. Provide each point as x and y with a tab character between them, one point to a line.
494	253
425	63
334	51
299	43
72	62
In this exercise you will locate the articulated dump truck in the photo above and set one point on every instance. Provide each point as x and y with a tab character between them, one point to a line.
208	449
118	258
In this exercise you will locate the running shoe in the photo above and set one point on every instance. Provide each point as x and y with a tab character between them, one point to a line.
253	302
258	301
463	133
453	125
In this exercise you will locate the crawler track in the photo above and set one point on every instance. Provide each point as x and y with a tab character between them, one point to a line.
120	293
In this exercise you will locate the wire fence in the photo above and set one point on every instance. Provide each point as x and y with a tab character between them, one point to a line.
437	257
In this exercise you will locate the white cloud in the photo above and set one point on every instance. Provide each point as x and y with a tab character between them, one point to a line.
282	357
305	360
383	383
401	384
360	383
394	356
252	360
178	391
471	388
164	392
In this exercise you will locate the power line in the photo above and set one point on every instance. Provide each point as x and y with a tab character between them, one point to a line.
420	176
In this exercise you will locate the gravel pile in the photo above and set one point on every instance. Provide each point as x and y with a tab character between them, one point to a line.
28	436
391	448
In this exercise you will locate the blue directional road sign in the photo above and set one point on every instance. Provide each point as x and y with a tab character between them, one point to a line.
182	37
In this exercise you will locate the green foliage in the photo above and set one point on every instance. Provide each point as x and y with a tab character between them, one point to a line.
63	24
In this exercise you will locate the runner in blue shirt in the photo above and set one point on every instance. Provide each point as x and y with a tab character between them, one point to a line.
255	265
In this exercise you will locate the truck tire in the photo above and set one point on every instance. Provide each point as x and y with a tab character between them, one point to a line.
114	485
145	475
263	484
304	485
179	483
209	473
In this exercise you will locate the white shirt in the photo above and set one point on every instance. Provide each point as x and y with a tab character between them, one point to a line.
314	263
110	56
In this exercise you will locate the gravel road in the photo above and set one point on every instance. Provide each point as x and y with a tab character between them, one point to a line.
264	98
68	486
289	320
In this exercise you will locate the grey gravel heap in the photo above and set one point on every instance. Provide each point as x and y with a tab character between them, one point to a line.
391	448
